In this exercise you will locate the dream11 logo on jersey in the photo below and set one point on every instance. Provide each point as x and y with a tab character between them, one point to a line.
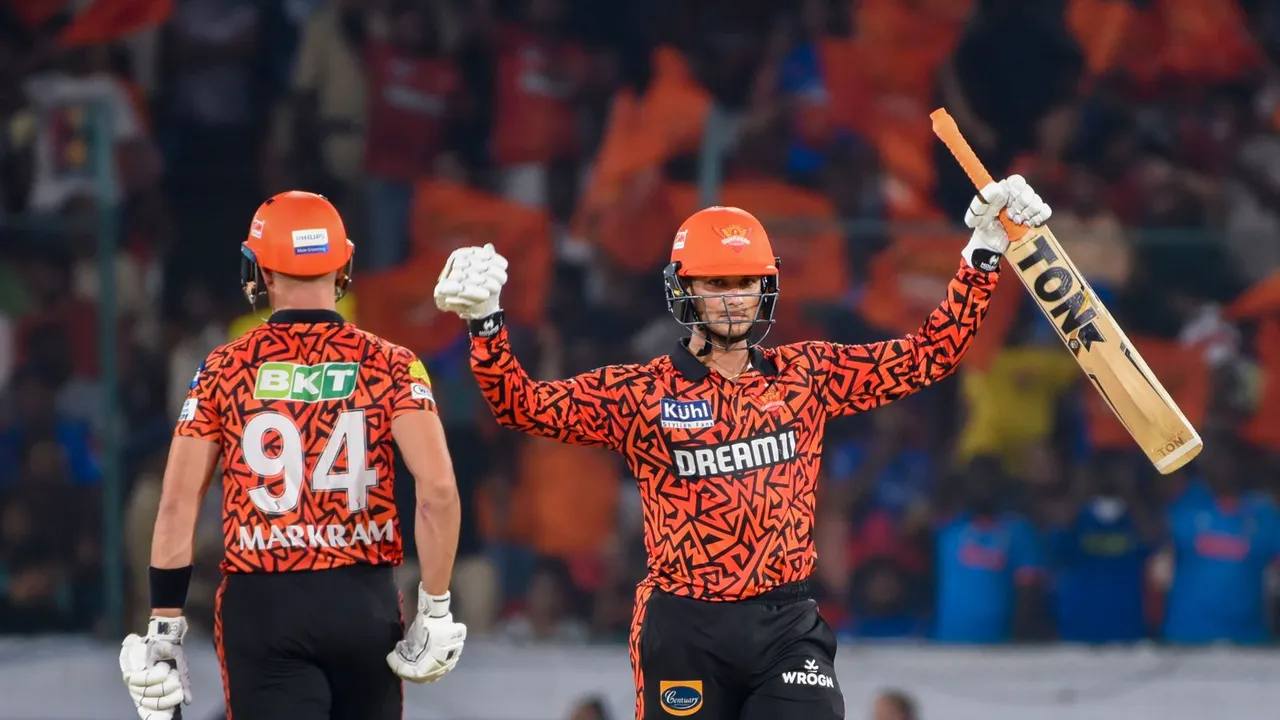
736	457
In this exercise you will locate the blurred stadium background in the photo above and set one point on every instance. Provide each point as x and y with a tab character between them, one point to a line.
139	135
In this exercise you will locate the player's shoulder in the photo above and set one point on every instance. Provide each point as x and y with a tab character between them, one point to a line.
242	348
806	354
393	354
621	373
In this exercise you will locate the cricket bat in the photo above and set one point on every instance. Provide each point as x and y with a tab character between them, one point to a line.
1088	329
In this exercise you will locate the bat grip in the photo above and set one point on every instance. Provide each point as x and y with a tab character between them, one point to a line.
944	126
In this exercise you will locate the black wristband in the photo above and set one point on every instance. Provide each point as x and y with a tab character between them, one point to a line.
487	326
985	260
169	587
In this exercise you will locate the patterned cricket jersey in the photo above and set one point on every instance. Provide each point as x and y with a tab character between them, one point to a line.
727	469
302	408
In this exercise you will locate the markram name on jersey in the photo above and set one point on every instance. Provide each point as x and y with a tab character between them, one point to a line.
736	457
315	536
305	383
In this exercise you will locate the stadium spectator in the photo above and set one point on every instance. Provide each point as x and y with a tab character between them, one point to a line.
1100	556
1223	538
894	705
989	565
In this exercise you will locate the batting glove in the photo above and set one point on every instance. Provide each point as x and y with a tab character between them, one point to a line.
432	645
990	241
155	668
471	281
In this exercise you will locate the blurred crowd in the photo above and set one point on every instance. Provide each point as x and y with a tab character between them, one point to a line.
1005	504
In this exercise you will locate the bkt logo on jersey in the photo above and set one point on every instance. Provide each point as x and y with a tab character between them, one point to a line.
686	414
811	675
732	458
305	383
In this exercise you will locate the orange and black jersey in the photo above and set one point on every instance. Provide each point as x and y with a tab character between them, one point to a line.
727	469
301	407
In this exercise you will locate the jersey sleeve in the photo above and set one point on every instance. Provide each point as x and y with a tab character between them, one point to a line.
593	408
201	415
854	378
410	383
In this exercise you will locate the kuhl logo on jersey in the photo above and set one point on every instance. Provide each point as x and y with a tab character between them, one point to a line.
732	458
686	414
305	383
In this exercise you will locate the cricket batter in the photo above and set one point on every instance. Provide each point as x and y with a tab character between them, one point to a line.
725	439
302	412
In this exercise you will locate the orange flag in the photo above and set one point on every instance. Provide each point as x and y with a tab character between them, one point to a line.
1263	428
398	305
106	21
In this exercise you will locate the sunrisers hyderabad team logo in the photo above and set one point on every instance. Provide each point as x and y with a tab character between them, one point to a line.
735	236
681	697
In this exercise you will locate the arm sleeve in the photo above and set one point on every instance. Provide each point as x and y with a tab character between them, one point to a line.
201	415
593	408
410	384
854	378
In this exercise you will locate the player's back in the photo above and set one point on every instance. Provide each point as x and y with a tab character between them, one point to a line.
302	408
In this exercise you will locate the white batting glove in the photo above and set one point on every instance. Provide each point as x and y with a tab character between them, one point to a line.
433	643
989	240
471	281
155	668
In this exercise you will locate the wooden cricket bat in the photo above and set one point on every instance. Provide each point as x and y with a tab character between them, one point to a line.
1087	328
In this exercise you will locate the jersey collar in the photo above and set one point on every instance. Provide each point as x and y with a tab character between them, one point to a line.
694	370
289	317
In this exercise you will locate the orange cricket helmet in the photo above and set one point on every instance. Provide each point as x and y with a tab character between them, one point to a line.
722	242
295	233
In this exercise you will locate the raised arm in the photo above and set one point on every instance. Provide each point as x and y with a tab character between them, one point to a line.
858	377
593	408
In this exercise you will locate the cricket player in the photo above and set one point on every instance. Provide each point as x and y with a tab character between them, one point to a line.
302	412
725	439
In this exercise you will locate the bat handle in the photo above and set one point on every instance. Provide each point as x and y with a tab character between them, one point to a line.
944	126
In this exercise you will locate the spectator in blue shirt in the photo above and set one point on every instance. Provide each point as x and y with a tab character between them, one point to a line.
1223	539
1100	557
989	566
33	419
801	77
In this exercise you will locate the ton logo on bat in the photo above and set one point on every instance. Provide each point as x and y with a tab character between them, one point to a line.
1056	283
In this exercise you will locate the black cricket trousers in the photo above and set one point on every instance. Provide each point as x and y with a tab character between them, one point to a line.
309	645
771	657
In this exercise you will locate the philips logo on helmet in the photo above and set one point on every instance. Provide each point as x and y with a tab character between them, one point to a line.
686	414
309	242
736	237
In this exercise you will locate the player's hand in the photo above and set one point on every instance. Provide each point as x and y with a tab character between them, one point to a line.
989	240
471	281
155	668
432	645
